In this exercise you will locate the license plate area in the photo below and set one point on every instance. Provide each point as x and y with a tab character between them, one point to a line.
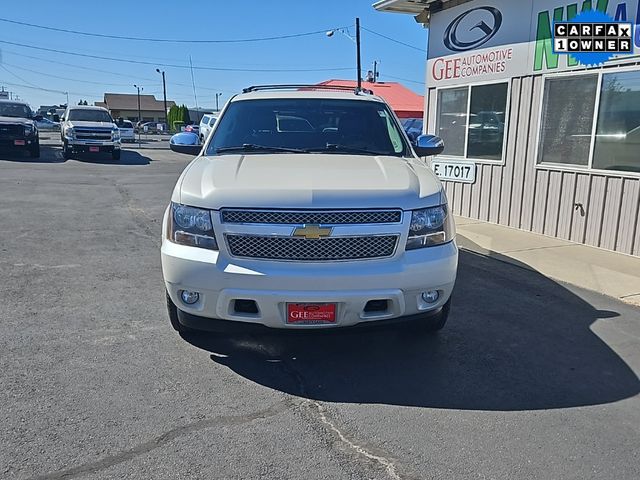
19	142
94	149
311	313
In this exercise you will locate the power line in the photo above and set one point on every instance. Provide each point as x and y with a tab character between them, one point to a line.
82	67
168	65
165	40
404	79
394	40
49	75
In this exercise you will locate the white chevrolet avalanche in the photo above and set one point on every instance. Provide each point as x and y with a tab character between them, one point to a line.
307	208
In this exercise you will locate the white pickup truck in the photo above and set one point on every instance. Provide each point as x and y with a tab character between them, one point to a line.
89	129
307	208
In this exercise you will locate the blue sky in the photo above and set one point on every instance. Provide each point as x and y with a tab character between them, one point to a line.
88	78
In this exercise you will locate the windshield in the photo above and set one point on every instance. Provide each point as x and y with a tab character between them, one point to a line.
89	115
17	110
308	125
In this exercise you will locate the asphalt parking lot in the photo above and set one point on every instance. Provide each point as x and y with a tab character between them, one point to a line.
530	379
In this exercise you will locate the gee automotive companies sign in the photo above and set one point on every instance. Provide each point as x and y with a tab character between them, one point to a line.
496	39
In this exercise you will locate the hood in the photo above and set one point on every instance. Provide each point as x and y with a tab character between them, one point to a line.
82	124
328	181
16	120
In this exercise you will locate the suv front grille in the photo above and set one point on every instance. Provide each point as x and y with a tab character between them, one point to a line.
101	134
300	249
11	130
312	217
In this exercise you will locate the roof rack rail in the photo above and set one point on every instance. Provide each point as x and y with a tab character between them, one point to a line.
257	88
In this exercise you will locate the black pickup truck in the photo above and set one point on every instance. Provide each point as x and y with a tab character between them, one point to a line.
18	130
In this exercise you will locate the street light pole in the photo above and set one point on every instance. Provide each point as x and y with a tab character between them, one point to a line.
164	92
355	40
358	53
139	113
218	95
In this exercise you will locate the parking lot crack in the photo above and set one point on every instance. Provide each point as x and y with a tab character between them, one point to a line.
318	411
163	439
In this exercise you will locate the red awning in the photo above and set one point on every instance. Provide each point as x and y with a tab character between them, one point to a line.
403	101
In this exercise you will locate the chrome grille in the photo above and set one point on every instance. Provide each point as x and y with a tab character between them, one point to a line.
312	217
300	249
11	130
93	134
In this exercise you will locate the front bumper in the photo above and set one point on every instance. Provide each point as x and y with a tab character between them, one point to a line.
221	279
89	145
17	143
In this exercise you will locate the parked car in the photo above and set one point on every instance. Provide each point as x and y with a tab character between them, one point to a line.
192	128
44	124
89	129
150	127
18	130
337	226
126	130
206	125
413	127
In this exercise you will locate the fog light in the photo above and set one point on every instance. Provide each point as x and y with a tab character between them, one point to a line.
431	296
189	297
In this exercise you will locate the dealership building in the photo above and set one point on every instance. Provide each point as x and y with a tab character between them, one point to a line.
534	140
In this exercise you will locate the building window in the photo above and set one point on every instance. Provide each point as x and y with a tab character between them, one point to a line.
567	119
570	133
472	121
617	139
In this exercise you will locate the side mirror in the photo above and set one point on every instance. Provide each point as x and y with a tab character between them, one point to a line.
428	146
58	118
185	142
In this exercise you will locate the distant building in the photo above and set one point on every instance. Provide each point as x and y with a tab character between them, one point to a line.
125	105
404	102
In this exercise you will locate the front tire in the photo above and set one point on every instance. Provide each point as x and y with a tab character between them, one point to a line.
172	310
431	324
34	152
66	151
115	155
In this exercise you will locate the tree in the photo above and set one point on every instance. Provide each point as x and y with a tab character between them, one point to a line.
178	116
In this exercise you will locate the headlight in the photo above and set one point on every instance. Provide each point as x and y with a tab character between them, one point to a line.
191	226
28	130
115	134
68	132
430	227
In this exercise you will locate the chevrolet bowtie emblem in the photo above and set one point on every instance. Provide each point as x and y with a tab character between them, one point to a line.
312	232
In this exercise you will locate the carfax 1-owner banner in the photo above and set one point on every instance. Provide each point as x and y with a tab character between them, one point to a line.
496	39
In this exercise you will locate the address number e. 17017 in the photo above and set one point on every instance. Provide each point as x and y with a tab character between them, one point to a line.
464	172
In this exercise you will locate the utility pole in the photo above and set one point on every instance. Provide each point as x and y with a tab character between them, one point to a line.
139	113
218	95
375	71
358	53
164	92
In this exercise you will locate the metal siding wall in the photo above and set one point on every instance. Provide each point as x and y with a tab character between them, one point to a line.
529	185
597	197
579	223
566	207
628	215
506	185
552	212
611	216
519	195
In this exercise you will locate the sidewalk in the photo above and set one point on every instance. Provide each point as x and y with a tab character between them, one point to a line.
610	273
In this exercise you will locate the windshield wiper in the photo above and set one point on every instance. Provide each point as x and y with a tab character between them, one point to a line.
336	147
250	147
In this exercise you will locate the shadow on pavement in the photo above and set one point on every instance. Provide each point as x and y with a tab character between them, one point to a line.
127	157
48	154
515	341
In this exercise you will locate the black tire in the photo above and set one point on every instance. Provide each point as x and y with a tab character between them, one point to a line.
431	324
34	151
172	310
67	153
115	155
